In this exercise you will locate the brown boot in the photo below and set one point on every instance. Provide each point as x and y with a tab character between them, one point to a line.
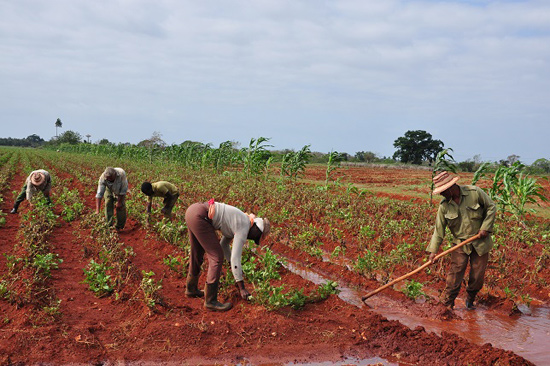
211	298
192	288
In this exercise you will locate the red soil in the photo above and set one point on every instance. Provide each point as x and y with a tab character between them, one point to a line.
107	330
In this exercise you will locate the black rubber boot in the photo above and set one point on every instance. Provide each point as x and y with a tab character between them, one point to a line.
211	298
470	301
192	288
15	207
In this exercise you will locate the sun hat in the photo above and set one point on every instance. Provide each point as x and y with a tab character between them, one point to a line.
37	179
265	227
444	181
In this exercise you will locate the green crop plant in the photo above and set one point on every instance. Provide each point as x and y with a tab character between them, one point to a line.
177	264
327	289
45	263
71	204
367	263
511	189
53	309
294	163
150	288
334	160
338	250
261	267
98	279
510	292
413	289
4	290
366	232
256	156
401	254
172	232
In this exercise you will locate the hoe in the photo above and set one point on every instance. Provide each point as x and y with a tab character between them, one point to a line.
419	268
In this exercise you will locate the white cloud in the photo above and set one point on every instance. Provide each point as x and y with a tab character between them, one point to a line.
372	68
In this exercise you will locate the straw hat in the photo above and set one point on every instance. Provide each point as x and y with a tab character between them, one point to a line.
37	179
444	181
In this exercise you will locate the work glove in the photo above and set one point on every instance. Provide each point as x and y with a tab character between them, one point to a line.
431	257
244	293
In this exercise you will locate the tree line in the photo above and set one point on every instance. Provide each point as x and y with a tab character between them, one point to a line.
416	147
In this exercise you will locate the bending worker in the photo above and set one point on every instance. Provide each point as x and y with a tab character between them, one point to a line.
161	189
203	219
38	180
114	184
466	211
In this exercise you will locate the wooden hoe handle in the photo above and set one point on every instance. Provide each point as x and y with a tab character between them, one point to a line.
452	249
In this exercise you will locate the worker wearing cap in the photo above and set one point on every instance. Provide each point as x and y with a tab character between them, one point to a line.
203	219
114	185
466	210
38	180
163	189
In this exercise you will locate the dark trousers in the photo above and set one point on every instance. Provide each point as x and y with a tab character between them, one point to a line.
110	201
203	238
169	203
455	276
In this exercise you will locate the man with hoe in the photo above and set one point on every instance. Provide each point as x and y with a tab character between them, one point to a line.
163	189
38	180
466	211
114	184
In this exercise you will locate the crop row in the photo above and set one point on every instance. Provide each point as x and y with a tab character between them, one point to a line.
376	237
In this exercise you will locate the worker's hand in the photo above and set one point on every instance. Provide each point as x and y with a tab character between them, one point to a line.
483	234
431	258
120	202
244	293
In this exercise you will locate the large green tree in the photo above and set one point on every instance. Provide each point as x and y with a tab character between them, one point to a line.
416	146
69	137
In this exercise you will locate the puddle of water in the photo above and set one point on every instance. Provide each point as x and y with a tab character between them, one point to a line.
525	335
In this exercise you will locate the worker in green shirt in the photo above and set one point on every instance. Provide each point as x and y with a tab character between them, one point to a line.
163	189
466	211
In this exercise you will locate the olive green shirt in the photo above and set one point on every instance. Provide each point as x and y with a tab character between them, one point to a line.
476	211
162	187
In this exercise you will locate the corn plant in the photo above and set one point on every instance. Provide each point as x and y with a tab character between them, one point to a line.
334	160
256	156
511	189
294	163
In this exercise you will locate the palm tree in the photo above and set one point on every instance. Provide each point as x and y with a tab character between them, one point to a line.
58	123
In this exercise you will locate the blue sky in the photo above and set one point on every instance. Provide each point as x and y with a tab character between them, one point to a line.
338	75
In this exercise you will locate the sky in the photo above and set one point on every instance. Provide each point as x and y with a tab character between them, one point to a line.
346	76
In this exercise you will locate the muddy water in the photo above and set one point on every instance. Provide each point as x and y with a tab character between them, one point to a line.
525	335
